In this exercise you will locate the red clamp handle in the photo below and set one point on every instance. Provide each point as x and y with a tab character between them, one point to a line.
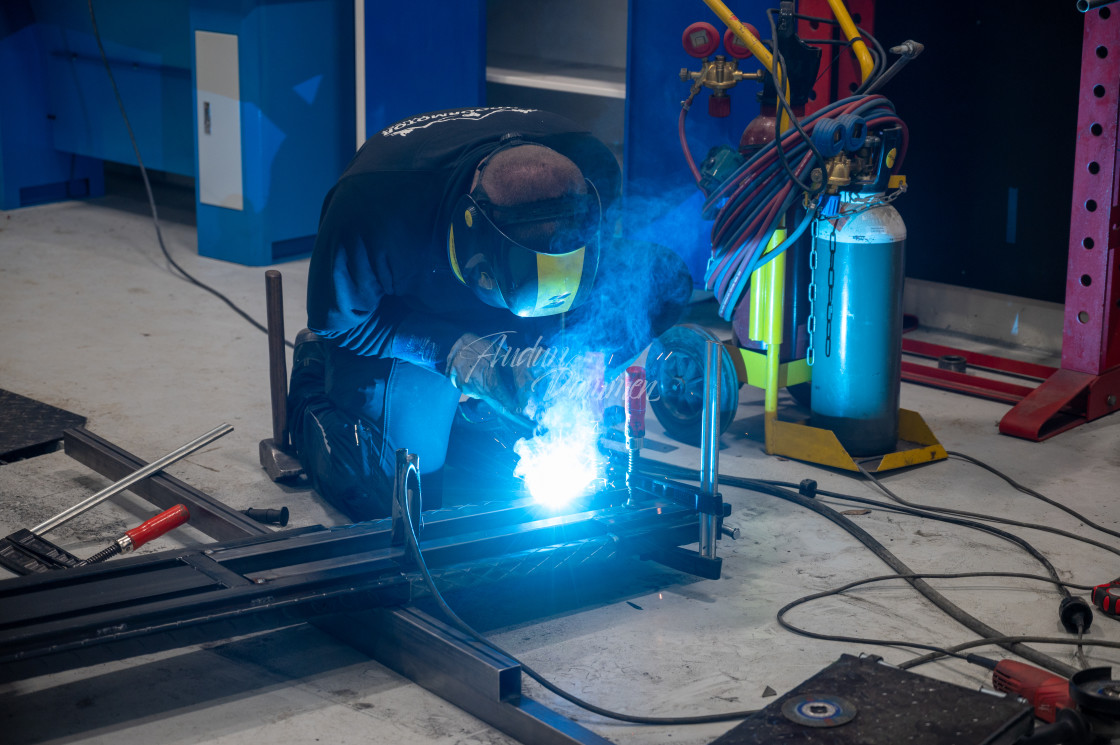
165	521
635	401
1107	597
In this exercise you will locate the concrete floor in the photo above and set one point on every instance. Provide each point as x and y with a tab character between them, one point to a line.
94	322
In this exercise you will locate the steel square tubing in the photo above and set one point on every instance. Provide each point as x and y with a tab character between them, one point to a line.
457	668
45	613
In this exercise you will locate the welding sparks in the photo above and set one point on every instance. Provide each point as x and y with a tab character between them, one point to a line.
559	465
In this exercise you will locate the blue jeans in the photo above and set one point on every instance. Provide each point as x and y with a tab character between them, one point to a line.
349	414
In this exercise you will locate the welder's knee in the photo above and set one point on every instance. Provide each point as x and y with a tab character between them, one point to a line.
344	459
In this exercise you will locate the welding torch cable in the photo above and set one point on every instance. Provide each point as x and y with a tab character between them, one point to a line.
453	618
954	611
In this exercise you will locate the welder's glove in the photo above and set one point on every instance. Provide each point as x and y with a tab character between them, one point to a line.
484	368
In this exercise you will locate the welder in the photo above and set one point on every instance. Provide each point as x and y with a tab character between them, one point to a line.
451	254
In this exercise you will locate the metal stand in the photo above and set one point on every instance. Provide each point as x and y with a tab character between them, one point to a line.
1087	385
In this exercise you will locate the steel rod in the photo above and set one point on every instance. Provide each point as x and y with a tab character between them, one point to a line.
709	445
132	478
277	360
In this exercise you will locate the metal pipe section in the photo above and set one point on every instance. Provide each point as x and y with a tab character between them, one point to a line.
1086	5
709	446
132	478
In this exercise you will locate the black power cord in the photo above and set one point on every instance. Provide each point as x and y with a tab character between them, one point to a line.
931	594
992	518
1035	494
938	651
148	187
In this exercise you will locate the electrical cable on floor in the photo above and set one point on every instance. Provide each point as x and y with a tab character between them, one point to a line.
1035	494
885	577
992	518
950	608
454	619
148	187
899	508
1003	641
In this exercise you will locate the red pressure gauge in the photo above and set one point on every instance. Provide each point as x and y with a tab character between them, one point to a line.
735	46
700	39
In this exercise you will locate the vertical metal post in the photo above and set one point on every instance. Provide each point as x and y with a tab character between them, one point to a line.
709	447
277	361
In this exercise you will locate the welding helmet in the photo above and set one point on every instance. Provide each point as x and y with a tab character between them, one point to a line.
534	259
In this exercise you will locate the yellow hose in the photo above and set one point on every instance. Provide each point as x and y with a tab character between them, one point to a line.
866	64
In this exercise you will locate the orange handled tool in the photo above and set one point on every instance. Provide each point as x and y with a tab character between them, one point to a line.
165	521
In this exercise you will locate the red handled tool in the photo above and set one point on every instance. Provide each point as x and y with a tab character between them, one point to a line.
165	521
1107	597
636	404
635	422
1046	692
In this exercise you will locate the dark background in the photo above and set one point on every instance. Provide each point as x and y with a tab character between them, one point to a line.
992	107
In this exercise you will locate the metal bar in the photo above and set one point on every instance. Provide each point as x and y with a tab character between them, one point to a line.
455	667
277	361
207	514
976	359
132	478
296	574
996	390
709	442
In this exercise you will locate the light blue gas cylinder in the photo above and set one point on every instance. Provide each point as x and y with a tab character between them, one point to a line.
855	343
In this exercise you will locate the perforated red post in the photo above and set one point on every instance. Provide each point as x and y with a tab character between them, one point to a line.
1088	384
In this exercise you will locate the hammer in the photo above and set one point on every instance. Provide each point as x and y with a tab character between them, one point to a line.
276	452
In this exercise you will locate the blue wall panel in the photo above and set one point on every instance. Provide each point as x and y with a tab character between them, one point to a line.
31	169
423	57
662	200
146	44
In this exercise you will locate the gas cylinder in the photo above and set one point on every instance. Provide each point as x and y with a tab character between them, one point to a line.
855	339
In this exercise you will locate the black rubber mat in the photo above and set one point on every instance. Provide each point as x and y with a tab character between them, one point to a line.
29	427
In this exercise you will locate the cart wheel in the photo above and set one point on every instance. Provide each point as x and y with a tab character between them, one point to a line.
675	369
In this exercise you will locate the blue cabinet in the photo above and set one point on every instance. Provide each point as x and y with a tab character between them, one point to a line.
254	99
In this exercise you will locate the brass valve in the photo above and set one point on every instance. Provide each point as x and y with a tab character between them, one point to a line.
839	172
719	74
